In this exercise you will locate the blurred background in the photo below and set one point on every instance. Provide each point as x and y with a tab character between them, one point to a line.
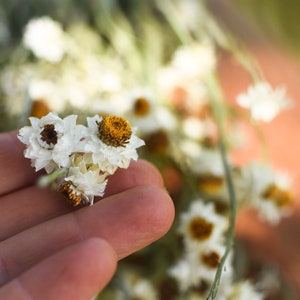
269	31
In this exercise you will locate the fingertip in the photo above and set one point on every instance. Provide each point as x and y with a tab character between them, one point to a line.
161	212
140	172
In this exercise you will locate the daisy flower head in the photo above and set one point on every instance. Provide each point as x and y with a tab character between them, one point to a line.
269	191
208	168
142	109
185	274
50	140
243	291
209	261
112	142
89	183
201	226
198	268
147	114
196	60
137	287
45	38
264	102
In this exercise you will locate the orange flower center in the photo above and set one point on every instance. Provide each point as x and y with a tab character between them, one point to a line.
279	196
114	131
200	229
209	183
141	107
49	135
211	259
68	190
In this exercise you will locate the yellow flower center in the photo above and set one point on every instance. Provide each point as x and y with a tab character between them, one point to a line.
49	135
279	196
209	183
68	190
200	229
39	108
114	131
141	107
211	259
157	142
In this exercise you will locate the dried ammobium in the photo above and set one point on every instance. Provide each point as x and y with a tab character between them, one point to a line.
79	158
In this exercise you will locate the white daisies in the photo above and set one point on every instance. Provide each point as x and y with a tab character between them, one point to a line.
85	155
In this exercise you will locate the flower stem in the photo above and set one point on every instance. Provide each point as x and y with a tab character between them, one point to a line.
219	110
230	238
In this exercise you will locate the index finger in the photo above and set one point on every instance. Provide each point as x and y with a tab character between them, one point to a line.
15	169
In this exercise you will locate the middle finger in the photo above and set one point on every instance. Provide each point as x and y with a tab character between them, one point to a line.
33	205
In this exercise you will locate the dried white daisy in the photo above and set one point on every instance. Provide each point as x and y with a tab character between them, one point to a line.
264	102
268	191
112	142
201	226
45	38
51	140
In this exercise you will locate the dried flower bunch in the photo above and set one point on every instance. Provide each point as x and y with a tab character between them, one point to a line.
81	157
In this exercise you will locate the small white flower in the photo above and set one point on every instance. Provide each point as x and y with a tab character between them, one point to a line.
112	142
45	38
264	102
143	290
142	109
208	161
196	60
209	260
51	140
49	91
185	274
198	267
243	291
193	128
90	183
268	191
201	226
136	287
147	114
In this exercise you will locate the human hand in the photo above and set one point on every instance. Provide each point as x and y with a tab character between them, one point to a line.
49	250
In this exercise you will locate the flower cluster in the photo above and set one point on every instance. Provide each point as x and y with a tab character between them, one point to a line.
82	156
204	233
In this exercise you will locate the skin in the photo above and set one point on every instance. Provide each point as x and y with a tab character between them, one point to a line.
46	245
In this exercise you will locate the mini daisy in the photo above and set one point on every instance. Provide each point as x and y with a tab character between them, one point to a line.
209	171
137	287
201	226
112	142
268	191
185	274
243	291
200	267
209	261
264	102
45	38
51	140
146	114
195	60
88	184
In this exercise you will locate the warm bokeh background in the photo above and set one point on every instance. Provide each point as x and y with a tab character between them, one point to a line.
269	33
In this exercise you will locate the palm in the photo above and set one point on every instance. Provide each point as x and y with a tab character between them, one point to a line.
48	246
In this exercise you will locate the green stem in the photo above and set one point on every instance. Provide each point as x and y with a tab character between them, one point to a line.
230	238
219	111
